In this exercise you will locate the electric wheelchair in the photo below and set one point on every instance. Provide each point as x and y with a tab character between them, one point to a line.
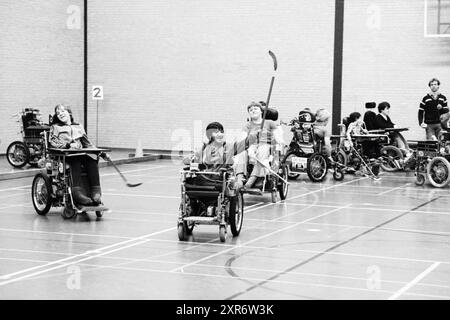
306	152
393	154
52	187
30	149
432	160
209	197
363	154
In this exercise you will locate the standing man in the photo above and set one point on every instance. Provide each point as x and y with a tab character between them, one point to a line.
431	108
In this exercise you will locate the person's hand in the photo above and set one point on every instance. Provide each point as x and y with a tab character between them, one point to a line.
439	106
103	155
74	145
423	125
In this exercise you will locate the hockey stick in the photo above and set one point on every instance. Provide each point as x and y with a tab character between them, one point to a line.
270	170
275	66
131	185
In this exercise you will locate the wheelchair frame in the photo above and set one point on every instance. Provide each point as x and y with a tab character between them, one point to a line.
31	149
304	144
271	181
432	161
55	190
347	154
222	213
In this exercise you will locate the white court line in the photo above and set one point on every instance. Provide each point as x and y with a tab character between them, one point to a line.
76	256
414	281
140	195
15	188
152	259
390	190
253	240
369	208
100	249
227	277
64	233
431	232
15	194
336	253
69	263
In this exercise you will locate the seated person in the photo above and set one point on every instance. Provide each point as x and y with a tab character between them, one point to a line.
320	129
217	154
261	149
370	116
66	134
383	120
356	126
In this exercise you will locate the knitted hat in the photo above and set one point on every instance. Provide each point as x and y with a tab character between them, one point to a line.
213	126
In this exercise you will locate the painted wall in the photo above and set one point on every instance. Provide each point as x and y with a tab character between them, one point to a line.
41	60
169	67
388	58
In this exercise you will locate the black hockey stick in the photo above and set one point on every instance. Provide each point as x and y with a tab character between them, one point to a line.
275	65
131	185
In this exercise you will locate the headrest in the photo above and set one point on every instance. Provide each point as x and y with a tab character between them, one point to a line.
371	105
272	114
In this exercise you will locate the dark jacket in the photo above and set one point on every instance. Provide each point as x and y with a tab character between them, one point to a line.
428	111
382	123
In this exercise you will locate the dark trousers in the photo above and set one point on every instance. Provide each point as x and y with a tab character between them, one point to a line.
91	167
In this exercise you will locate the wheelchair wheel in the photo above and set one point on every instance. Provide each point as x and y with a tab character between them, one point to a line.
17	154
341	157
41	190
283	186
338	174
181	232
438	172
390	154
236	214
317	167
420	180
68	213
222	233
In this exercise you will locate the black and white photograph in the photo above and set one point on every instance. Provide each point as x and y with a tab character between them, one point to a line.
224	155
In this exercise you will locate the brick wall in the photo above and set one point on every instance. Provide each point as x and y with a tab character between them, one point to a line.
170	67
387	58
41	60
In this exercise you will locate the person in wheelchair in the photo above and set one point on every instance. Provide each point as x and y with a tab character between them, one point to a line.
67	134
217	154
320	130
259	151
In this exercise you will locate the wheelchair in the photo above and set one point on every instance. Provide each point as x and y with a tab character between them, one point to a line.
210	198
275	179
392	154
306	154
52	187
365	154
432	161
30	149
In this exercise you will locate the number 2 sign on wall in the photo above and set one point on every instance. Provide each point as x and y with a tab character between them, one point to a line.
97	92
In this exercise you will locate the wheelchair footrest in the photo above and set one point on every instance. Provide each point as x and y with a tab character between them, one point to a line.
254	191
202	219
93	208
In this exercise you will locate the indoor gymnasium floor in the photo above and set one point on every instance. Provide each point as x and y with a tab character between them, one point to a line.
354	239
